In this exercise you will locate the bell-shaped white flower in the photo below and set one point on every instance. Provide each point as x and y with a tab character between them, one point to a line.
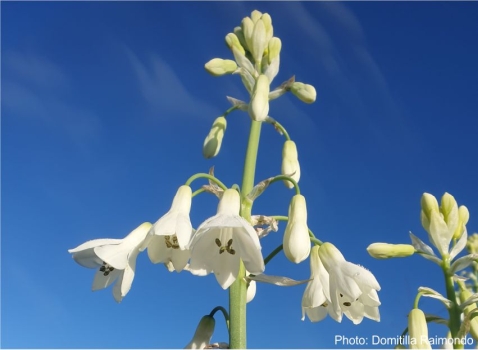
259	105
290	162
171	233
115	258
203	334
316	298
296	240
353	289
223	240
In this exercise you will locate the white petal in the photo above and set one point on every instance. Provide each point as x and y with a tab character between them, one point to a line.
158	252
463	262
166	225
441	233
459	245
346	286
101	281
95	243
335	309
115	255
372	313
251	291
315	314
226	269
203	252
129	272
184	230
313	295
355	312
249	253
370	298
360	274
117	289
180	258
87	258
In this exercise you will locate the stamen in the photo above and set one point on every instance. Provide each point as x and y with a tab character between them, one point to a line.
227	248
347	303
174	244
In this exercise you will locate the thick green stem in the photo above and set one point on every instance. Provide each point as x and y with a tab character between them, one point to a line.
454	310
238	290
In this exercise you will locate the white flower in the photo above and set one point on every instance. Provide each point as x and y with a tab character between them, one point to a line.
116	259
203	333
170	235
223	240
296	236
353	289
316	299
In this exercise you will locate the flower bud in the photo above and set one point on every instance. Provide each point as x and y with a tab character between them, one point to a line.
259	42
213	141
449	209
247	28
464	295
296	236
418	330
463	217
240	36
275	45
255	16
290	162
266	18
251	291
304	92
259	105
233	41
203	334
386	250
429	203
218	67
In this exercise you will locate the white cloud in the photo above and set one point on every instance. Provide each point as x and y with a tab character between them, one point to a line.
164	91
33	89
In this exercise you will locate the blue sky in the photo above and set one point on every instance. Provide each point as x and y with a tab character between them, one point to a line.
105	107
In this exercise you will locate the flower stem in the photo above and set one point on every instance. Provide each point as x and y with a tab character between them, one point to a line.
454	311
281	129
224	313
206	176
287	178
238	290
273	253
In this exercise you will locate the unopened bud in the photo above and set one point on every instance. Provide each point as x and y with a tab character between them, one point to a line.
418	330
256	15
233	41
290	162
247	28
213	141
304	92
218	67
259	42
275	45
387	251
296	241
266	18
259	105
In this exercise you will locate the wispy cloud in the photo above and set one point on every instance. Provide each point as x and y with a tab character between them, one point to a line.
34	88
163	90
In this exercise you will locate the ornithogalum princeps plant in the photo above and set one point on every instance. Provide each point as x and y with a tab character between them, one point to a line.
446	228
229	243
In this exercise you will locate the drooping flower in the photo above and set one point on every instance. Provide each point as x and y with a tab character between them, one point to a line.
172	232
316	298
203	334
115	258
296	236
223	240
353	289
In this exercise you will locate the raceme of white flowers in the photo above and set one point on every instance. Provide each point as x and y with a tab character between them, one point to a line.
229	241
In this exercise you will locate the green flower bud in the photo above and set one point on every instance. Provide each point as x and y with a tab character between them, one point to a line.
213	141
266	18
296	241
418	330
386	250
429	203
259	105
275	46
290	162
259	42
463	217
233	41
247	28
449	209
305	92
218	67
203	334
240	35
256	15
